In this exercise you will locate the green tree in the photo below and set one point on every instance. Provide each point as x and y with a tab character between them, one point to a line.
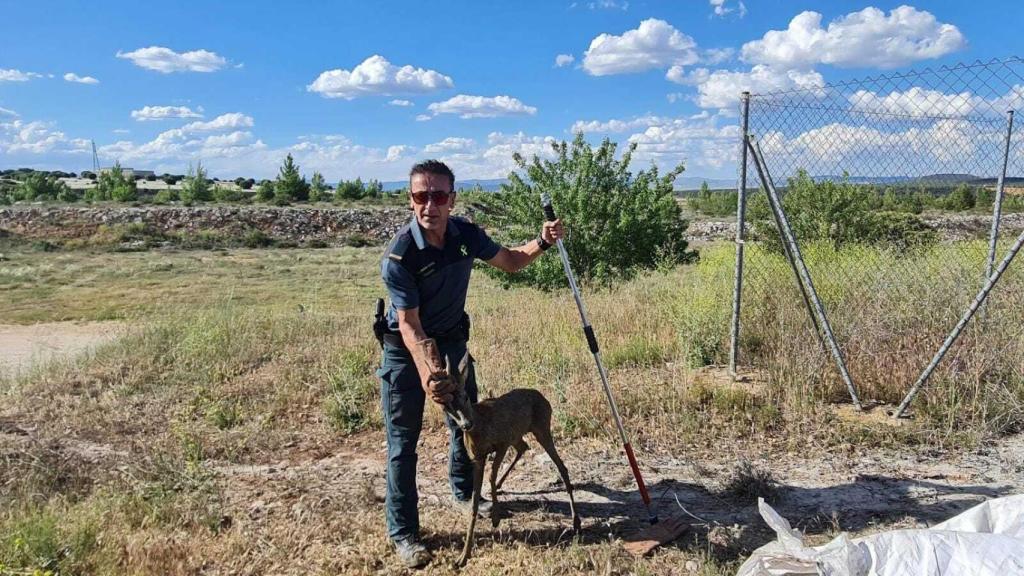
620	223
113	185
265	191
290	185
350	190
317	188
195	188
374	189
40	186
961	198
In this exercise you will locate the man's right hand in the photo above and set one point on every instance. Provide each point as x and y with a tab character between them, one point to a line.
436	381
440	388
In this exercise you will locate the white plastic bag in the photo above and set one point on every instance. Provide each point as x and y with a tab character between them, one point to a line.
987	540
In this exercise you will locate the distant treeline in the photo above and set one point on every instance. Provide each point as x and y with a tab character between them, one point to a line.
911	198
116	185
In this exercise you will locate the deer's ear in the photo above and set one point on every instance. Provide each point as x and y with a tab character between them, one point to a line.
464	366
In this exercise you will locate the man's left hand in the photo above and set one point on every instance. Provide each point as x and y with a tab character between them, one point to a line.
552	231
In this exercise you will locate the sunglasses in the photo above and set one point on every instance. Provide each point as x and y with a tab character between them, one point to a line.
440	197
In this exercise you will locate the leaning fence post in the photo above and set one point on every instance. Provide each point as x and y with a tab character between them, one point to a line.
804	274
741	215
997	206
990	282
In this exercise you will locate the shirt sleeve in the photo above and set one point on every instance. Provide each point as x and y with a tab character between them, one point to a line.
401	286
486	247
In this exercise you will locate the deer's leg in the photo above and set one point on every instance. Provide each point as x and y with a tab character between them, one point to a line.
499	455
478	481
520	448
543	436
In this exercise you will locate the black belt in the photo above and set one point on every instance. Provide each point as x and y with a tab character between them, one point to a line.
460	333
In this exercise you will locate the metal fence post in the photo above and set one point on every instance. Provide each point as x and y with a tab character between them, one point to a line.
804	274
990	282
997	206
741	215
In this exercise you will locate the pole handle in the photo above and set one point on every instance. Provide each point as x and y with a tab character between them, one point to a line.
549	210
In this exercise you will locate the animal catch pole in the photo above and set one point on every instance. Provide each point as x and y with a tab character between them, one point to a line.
588	331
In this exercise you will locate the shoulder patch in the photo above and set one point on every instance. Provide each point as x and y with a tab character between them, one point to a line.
395	257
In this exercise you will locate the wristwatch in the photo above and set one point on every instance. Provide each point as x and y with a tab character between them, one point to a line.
542	243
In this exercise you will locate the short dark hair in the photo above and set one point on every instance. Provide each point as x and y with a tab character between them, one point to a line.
435	167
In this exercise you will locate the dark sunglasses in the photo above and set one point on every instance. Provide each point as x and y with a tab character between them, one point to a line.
440	197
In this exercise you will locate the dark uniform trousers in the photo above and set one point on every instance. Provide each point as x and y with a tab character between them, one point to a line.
402	401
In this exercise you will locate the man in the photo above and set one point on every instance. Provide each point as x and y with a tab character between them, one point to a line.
426	269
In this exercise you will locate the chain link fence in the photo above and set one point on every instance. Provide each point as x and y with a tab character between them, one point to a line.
903	193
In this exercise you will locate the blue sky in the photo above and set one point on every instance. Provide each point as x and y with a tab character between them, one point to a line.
367	88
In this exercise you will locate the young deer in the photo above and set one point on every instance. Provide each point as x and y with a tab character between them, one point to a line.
494	426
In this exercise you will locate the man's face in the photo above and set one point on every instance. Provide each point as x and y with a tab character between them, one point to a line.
433	213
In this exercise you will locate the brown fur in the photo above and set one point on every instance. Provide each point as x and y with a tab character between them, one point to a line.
497	425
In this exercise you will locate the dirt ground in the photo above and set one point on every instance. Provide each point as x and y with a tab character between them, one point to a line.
29	345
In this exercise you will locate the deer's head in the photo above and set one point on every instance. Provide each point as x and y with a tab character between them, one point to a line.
460	408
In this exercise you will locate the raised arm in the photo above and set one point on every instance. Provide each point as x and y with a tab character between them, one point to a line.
512	260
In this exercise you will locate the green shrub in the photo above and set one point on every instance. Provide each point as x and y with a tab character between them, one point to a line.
225	194
257	239
961	198
265	191
195	188
620	223
838	212
714	203
165	196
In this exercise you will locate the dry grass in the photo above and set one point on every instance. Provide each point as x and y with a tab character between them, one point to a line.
237	430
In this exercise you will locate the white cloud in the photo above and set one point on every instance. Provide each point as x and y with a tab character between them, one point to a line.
37	137
654	44
147	113
72	77
403	103
943	146
8	112
398	152
918	102
12	75
423	117
697	141
564	60
375	76
482	107
717	55
450	145
865	39
121	131
223	122
721	8
608	5
722	88
166	60
616	126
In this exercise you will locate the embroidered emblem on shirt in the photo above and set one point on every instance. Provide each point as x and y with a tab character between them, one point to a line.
463	250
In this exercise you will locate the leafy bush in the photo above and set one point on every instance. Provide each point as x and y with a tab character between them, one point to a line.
112	185
195	187
265	191
619	223
317	188
714	203
165	196
225	194
350	190
961	198
838	212
40	186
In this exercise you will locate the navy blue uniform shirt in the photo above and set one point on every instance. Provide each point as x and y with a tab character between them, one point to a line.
435	280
